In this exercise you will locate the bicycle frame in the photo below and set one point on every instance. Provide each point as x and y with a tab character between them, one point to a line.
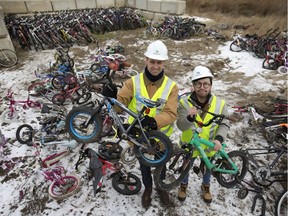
108	102
196	141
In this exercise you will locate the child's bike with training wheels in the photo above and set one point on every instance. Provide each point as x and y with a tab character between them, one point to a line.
9	115
122	181
152	148
228	168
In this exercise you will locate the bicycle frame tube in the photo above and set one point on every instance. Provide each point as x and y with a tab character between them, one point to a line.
197	141
118	121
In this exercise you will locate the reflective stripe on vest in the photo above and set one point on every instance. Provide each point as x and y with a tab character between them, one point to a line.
163	92
208	132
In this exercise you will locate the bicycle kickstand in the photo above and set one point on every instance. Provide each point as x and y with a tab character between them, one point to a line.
263	207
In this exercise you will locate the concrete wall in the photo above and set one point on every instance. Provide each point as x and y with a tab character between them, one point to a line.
150	9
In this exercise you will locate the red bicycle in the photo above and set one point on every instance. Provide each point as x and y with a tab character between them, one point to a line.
9	115
70	89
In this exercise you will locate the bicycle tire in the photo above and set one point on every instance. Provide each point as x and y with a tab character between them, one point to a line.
127	155
175	171
228	180
58	81
161	147
270	64
75	120
9	117
281	204
84	98
24	134
62	191
8	58
235	46
58	99
129	185
37	89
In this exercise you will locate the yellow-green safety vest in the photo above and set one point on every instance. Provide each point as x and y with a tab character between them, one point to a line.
163	92
208	132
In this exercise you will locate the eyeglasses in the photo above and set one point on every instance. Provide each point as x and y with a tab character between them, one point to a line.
205	85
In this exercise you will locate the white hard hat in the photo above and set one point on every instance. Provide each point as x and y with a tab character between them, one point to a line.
157	50
201	72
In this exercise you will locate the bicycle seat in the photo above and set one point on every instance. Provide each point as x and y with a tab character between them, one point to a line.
150	103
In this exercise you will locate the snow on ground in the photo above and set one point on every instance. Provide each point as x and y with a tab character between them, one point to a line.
108	201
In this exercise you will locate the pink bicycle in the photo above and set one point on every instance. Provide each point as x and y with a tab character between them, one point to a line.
62	186
9	115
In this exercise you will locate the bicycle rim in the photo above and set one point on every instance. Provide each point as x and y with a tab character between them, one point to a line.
126	185
65	189
228	180
8	116
175	171
75	121
8	58
158	153
281	204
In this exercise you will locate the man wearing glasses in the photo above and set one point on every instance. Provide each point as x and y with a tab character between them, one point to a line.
187	113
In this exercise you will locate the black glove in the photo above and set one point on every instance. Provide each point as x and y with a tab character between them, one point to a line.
149	123
110	90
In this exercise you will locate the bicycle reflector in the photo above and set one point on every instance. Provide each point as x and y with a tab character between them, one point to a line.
147	111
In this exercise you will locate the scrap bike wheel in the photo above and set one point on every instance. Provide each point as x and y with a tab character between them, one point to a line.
159	151
68	186
227	180
127	185
76	121
24	134
8	58
8	116
175	171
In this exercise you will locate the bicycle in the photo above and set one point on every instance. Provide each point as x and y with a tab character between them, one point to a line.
264	173
25	134
85	125
8	58
228	168
62	186
68	91
9	115
122	181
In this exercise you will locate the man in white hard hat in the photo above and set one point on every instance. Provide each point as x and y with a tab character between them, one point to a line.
187	113
153	84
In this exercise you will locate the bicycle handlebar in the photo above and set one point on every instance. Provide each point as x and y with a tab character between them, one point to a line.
150	103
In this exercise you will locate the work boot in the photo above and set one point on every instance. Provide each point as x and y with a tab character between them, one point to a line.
206	193
182	192
146	197
164	197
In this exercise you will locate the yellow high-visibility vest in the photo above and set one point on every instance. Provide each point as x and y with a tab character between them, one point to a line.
163	92
208	132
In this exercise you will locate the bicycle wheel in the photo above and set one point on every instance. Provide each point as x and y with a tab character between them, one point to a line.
158	153
65	187
127	185
281	204
175	171
241	161
235	46
8	58
58	99
84	98
75	124
24	134
166	33
270	64
127	155
8	116
37	89
58	81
